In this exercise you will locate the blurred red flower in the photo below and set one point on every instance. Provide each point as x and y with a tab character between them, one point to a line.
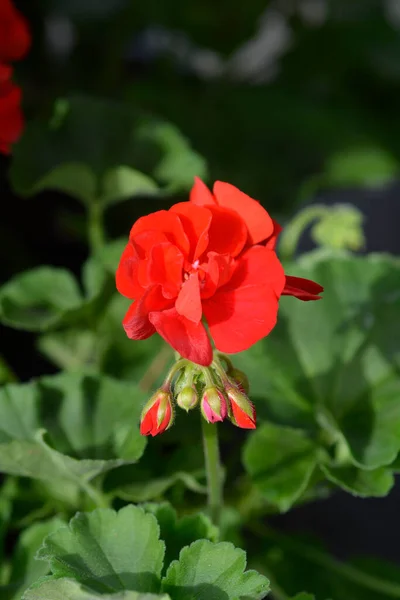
15	38
211	257
14	44
11	119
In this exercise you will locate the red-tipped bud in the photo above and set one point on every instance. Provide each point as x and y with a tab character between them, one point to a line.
213	405
240	379
157	414
187	398
243	412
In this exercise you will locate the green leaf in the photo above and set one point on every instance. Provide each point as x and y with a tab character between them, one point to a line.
178	533
69	589
280	461
377	482
130	359
121	183
333	364
108	551
39	299
71	349
179	164
206	570
372	425
91	424
5	517
47	297
6	374
303	596
366	167
99	150
294	563
155	488
74	179
25	569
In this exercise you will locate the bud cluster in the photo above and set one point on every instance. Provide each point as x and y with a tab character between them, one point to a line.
220	390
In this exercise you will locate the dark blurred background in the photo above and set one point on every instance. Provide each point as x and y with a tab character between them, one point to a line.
267	92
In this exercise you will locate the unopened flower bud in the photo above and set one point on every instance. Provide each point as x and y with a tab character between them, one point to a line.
157	415
187	398
240	379
243	412
213	405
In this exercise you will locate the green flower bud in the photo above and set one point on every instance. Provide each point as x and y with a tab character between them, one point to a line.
187	398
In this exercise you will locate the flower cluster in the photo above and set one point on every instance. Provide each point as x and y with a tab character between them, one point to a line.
212	258
220	392
14	44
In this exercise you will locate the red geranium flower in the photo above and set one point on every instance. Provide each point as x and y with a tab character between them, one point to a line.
15	38
211	257
11	119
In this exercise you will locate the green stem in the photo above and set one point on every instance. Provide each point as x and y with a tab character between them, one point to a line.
95	226
377	584
213	469
293	231
95	495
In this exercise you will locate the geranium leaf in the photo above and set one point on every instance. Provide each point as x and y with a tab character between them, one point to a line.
179	164
69	589
74	179
99	150
360	167
333	364
69	426
294	563
25	569
377	482
121	183
37	300
206	570
46	298
72	349
178	533
280	461
108	551
144	491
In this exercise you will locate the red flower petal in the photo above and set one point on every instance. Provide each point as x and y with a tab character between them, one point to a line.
146	240
136	321
126	275
241	419
228	232
165	267
5	72
245	310
187	338
157	418
196	222
258	221
271	242
188	303
303	289
11	118
218	271
15	38
165	222
200	194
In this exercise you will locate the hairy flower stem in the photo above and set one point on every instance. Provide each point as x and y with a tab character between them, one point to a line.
213	469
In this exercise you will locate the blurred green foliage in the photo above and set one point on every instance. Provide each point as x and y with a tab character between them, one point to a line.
126	102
